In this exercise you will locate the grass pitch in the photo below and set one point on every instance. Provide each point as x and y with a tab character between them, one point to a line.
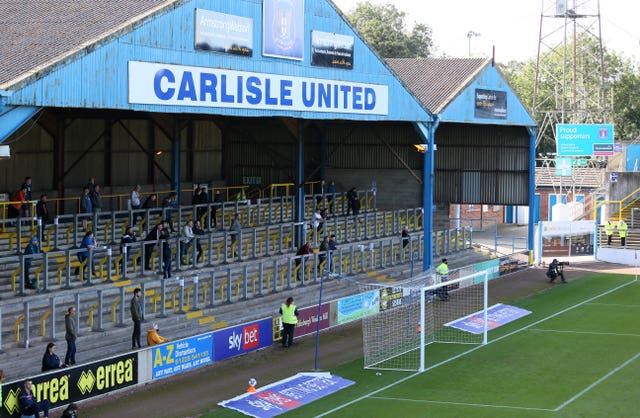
576	355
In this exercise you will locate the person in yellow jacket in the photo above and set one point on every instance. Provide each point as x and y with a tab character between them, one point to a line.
609	227
154	338
289	313
443	271
622	230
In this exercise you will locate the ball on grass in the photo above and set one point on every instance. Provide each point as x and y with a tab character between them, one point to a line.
253	382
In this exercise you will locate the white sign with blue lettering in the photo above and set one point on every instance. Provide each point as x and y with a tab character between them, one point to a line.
179	85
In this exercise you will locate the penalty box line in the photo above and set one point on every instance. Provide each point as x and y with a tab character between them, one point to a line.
533	324
480	405
596	383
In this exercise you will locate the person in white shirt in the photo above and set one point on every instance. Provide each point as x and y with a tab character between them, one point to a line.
187	240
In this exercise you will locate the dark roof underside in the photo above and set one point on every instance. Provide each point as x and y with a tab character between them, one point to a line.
436	81
34	34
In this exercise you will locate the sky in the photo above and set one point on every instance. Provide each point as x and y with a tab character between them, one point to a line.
512	26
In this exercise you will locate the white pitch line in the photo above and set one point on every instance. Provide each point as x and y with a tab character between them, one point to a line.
461	404
390	385
617	305
612	334
597	382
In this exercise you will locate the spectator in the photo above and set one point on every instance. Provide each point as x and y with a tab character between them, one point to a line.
151	202
187	241
200	197
29	405
50	360
331	192
27	187
324	251
235	230
137	317
17	209
166	252
70	335
134	202
86	205
317	222
153	338
96	199
129	237
352	197
88	243
198	231
289	313
405	236
333	246
70	412
91	185
42	210
2	377
151	239
306	249
32	248
169	203
218	201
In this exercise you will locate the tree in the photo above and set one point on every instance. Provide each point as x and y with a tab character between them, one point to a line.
621	90
383	27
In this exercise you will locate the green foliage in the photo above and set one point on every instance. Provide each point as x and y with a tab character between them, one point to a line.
383	27
610	97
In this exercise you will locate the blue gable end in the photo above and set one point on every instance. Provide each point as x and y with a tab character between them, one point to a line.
155	67
487	100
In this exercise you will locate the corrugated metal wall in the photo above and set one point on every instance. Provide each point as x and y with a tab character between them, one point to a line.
486	164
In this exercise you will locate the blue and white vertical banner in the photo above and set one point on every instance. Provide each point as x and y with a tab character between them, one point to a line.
180	356
283	29
180	85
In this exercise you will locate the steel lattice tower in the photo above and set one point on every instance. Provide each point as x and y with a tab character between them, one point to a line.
570	78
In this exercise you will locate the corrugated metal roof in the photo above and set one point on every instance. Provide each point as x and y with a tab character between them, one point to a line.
584	177
437	81
35	35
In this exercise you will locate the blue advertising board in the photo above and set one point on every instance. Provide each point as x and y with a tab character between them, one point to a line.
180	356
584	139
233	341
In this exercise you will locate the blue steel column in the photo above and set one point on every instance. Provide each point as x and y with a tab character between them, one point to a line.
175	160
300	191
427	132
532	186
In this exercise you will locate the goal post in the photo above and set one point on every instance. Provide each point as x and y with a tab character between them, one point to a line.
398	337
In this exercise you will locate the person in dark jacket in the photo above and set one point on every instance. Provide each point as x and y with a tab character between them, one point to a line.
70	412
32	248
28	403
137	317
50	360
70	335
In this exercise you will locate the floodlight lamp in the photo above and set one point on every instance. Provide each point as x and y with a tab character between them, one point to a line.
4	152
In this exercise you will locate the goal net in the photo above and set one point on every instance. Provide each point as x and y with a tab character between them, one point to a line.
412	319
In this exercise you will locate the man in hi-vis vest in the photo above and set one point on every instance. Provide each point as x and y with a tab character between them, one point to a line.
289	313
443	272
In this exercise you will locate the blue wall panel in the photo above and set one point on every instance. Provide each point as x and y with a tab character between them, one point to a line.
99	79
462	108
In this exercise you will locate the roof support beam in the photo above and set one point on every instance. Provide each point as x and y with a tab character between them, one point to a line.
13	117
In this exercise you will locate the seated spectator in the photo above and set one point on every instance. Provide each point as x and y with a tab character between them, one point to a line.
306	249
153	338
28	403
50	360
32	248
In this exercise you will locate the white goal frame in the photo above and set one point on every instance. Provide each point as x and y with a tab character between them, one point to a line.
433	310
429	290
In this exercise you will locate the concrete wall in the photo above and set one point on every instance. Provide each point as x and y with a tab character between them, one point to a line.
627	183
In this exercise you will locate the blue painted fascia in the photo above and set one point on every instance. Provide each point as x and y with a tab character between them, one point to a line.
99	79
461	109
